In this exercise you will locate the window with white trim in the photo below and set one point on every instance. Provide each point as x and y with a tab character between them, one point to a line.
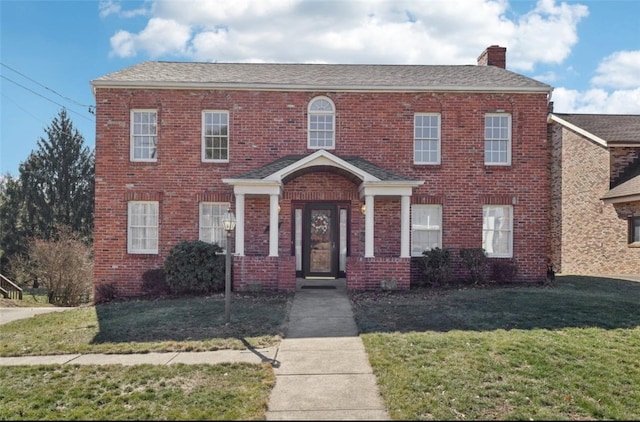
211	228
426	228
426	138
215	136
142	227
634	230
144	135
321	124
497	139
497	230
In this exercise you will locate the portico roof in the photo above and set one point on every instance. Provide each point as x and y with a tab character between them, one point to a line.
372	179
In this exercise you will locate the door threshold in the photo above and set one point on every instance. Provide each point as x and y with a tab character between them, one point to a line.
319	278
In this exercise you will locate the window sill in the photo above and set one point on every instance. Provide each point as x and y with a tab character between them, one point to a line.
634	245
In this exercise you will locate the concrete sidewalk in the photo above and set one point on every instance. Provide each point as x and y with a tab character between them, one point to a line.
322	370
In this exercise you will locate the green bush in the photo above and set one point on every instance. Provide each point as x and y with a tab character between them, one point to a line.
195	267
105	293
504	271
436	266
475	261
154	282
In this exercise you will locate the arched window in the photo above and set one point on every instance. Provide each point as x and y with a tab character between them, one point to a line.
321	128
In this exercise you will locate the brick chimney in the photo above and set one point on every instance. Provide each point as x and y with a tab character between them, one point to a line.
494	56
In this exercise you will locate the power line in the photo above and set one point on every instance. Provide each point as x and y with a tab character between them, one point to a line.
48	99
49	89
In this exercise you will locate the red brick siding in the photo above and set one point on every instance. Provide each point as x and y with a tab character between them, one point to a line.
266	125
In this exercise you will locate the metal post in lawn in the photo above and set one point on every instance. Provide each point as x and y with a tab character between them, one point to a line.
229	223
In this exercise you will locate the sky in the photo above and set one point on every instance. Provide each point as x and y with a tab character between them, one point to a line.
50	50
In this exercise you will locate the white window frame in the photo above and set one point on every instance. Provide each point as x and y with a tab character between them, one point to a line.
136	136
424	134
323	116
634	226
210	226
150	237
425	226
219	137
489	230
494	139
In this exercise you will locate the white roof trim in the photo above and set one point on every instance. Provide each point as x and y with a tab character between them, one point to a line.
341	88
624	198
254	186
581	131
321	158
389	188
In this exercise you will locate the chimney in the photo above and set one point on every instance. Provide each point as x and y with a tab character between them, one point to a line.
494	56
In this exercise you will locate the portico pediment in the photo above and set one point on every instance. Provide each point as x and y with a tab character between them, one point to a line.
374	180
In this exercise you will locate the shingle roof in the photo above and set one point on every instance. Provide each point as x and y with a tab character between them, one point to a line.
320	76
608	127
629	188
280	163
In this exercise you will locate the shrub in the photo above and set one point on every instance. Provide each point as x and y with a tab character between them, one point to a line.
436	266
154	282
475	261
105	293
504	271
195	267
61	265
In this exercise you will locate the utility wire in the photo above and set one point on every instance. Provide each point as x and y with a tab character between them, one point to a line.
48	99
49	89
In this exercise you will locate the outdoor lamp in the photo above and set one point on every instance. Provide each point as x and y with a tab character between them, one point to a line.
229	223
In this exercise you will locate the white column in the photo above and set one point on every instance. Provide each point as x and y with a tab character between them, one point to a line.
240	224
273	225
368	226
405	232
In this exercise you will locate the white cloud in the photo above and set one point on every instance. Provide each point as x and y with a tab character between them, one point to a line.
597	101
113	7
619	70
355	31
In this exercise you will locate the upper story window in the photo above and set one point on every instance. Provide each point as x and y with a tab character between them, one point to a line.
634	230
144	135
321	131
215	136
426	138
426	228
497	139
497	230
211	228
142	227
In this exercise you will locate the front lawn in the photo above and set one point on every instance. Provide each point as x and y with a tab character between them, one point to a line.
566	352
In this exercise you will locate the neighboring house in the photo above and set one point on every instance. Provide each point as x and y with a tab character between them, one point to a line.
333	171
595	209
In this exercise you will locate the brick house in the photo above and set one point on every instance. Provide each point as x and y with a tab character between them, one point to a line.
595	209
334	172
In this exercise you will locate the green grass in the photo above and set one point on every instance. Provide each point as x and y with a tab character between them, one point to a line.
30	298
565	352
142	392
161	325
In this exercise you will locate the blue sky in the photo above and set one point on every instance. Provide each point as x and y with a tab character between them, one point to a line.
50	50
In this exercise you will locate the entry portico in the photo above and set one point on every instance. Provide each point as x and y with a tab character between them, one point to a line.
370	182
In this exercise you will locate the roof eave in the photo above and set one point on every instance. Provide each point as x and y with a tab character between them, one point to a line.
621	198
579	130
311	87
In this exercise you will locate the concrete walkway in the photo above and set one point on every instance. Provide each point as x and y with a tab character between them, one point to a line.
322	370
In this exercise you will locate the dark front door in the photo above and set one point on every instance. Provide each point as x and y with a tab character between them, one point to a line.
320	241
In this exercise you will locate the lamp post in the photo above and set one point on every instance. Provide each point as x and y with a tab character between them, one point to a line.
229	223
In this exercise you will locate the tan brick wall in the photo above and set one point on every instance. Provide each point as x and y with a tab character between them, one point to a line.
267	125
588	237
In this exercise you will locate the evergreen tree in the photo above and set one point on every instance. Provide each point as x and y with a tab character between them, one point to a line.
57	182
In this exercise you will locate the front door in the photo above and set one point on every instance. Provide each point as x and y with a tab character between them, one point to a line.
320	241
